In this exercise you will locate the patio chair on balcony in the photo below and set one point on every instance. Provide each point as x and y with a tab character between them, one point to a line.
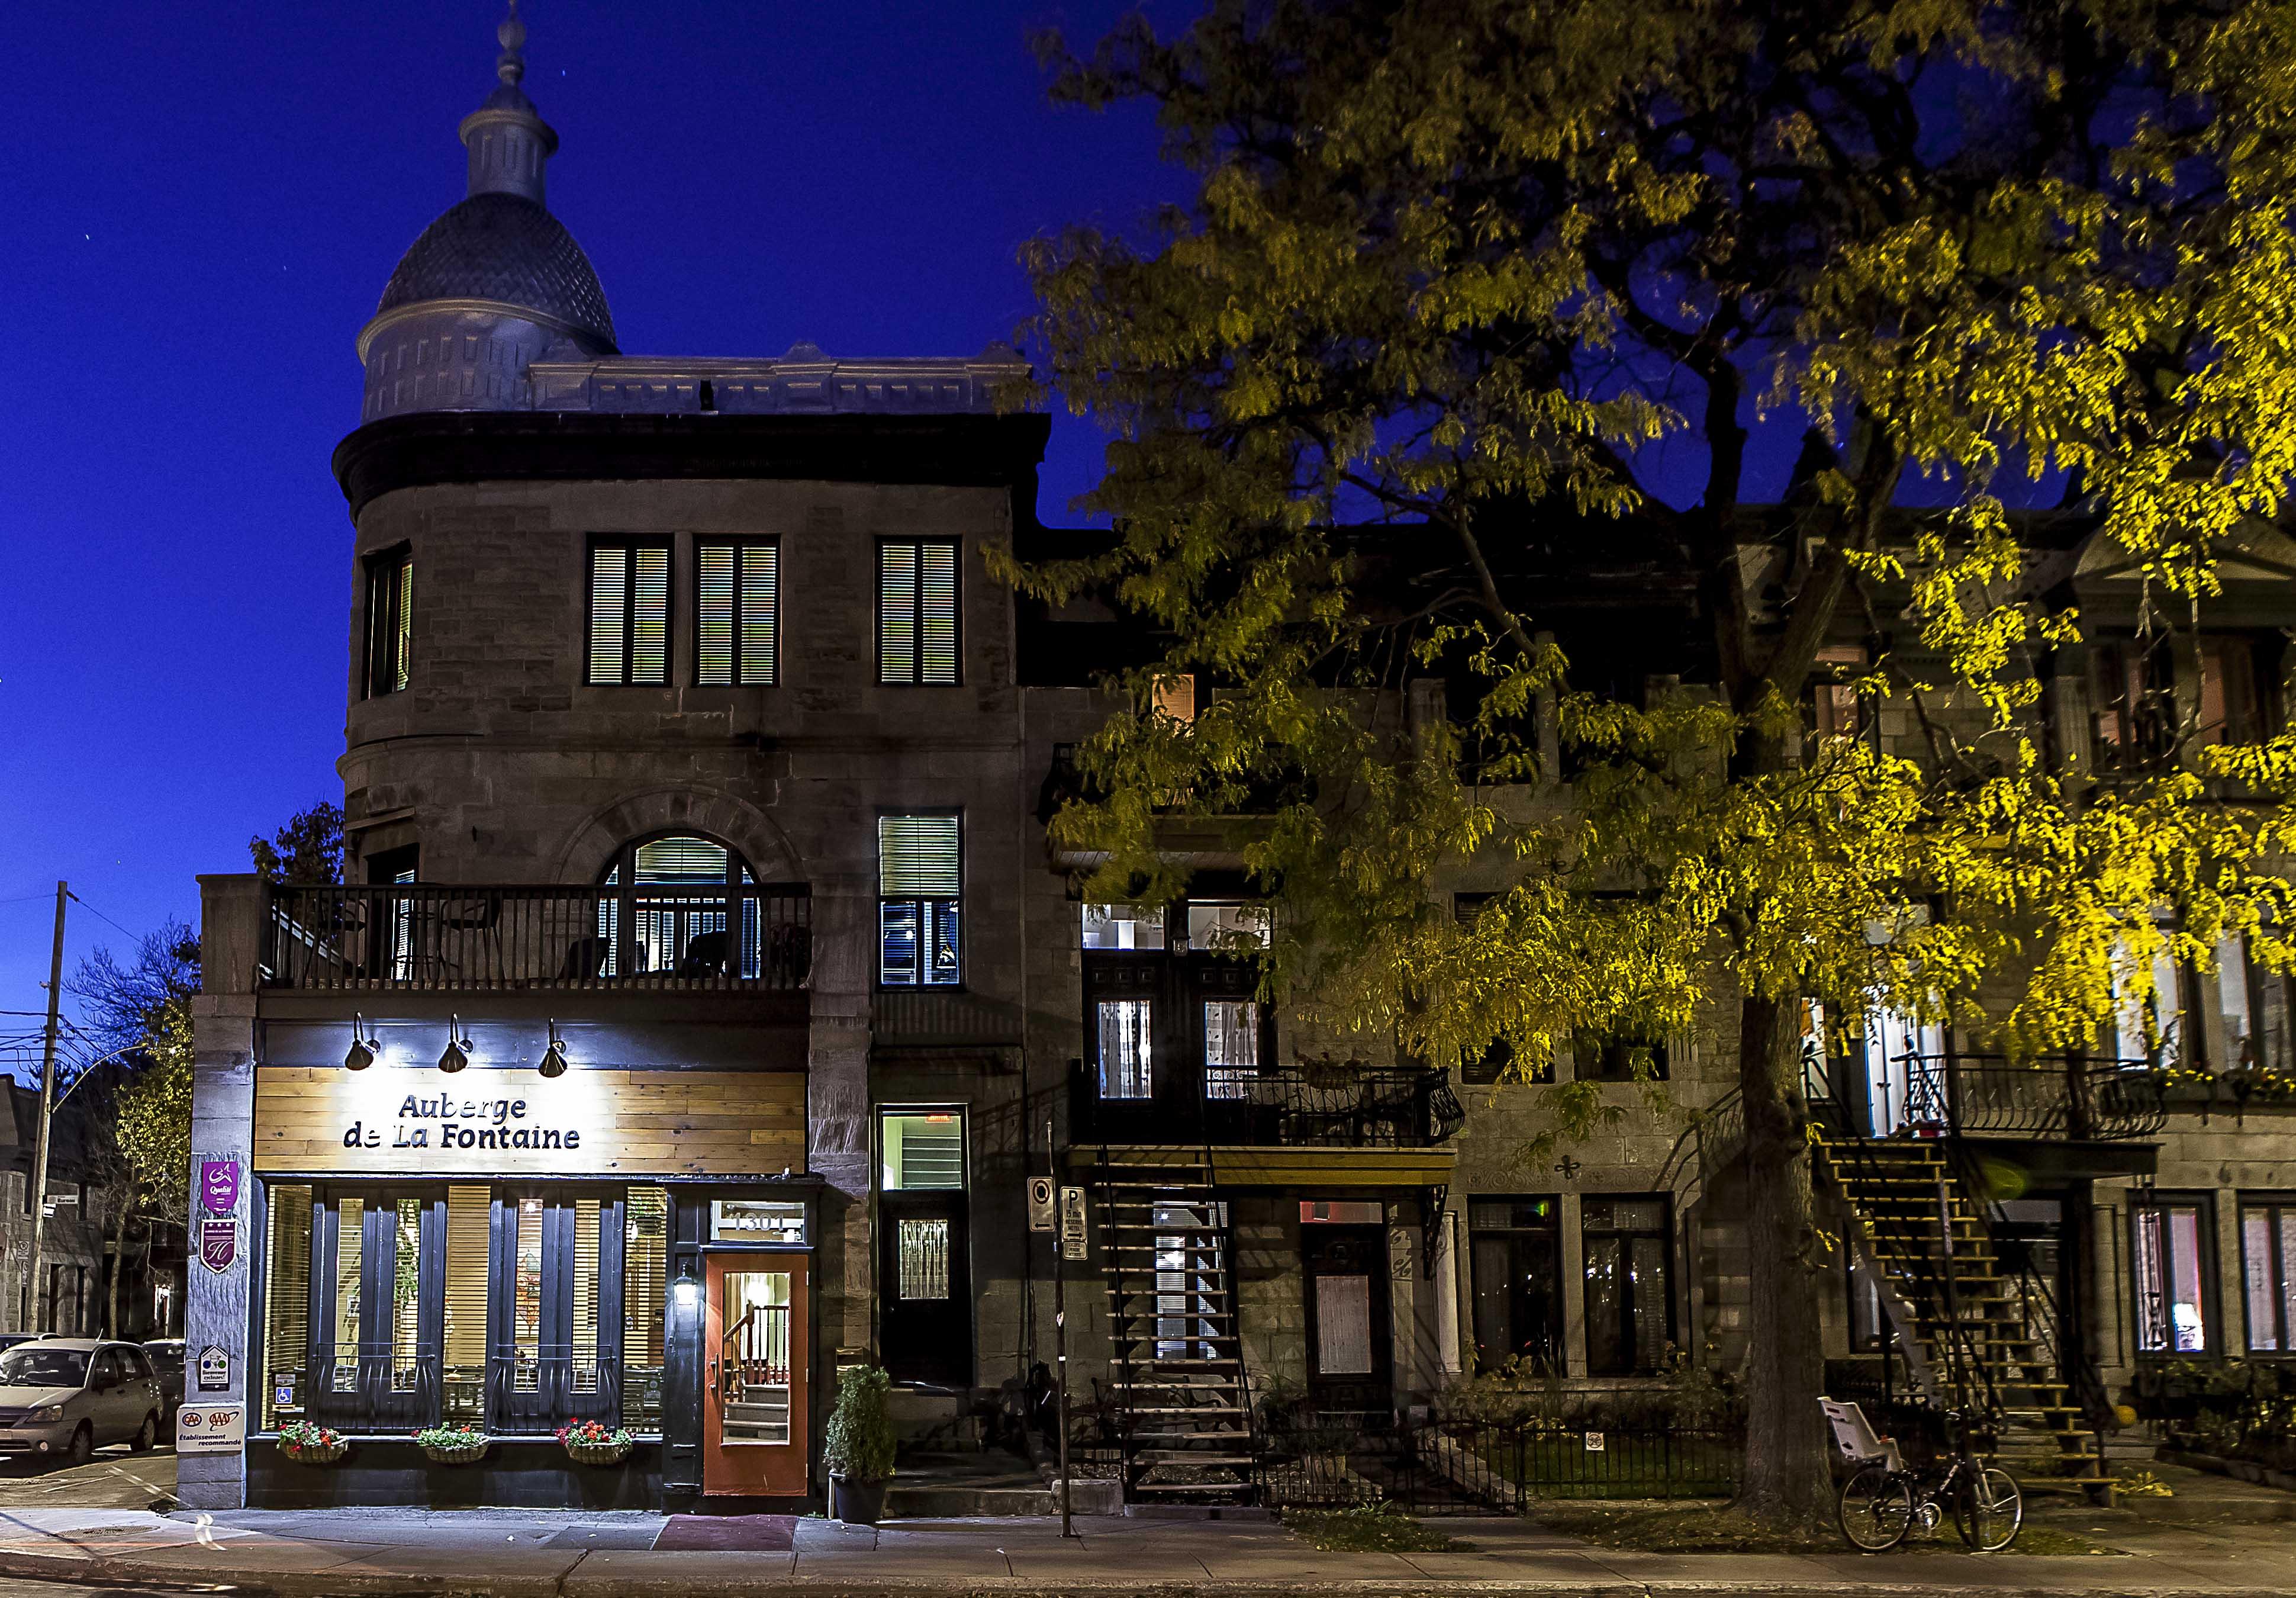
705	955
585	959
789	955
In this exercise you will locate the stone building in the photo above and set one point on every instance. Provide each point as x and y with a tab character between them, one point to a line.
704	993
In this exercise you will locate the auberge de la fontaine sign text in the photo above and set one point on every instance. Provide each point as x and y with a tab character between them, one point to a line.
462	1123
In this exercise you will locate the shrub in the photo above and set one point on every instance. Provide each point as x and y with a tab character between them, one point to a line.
858	1442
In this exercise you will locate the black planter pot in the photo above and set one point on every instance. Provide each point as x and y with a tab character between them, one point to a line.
854	1502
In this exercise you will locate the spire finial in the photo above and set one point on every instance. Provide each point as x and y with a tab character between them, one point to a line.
510	66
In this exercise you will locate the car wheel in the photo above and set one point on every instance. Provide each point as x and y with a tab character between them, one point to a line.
149	1434
82	1447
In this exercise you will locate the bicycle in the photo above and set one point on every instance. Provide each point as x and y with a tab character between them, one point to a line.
1883	1498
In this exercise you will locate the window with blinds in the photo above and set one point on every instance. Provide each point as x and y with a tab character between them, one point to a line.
286	1303
462	1377
390	620
916	612
629	613
736	593
920	889
645	1282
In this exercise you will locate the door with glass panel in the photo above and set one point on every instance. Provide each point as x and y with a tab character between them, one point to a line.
924	1282
375	1303
1349	1348
558	1307
755	1352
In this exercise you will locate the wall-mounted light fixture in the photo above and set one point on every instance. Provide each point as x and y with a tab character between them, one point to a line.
457	1052
685	1292
553	1058
363	1047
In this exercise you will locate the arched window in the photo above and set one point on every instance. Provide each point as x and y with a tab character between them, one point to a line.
693	910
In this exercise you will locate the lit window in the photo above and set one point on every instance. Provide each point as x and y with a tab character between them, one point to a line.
2171	1304
1175	699
920	1150
1229	928
916	612
2267	1274
920	877
629	613
1126	1053
736	589
1124	927
390	621
1231	1048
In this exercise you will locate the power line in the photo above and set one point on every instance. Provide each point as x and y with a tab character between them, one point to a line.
98	914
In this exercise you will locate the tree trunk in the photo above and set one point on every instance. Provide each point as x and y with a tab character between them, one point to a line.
1786	1481
116	1255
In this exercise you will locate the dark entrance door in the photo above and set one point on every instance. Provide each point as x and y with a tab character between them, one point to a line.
1344	1274
924	1288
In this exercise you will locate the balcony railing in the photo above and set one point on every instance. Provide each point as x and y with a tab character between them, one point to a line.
1294	1105
1990	1095
449	936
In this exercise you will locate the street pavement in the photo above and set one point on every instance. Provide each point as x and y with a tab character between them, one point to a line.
110	1524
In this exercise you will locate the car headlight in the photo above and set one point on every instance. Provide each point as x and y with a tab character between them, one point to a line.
45	1414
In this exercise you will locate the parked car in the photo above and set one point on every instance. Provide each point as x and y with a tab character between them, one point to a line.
65	1397
9	1339
166	1355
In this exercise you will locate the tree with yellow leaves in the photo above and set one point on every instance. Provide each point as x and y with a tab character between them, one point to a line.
1479	300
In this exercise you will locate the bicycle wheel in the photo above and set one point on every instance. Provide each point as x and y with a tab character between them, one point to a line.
1988	1509
1876	1509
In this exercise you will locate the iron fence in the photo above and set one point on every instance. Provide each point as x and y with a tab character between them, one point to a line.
1452	1466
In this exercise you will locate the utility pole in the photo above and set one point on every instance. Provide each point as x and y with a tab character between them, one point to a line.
47	1110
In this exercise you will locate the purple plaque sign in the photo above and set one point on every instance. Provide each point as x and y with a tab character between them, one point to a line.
218	1245
219	1185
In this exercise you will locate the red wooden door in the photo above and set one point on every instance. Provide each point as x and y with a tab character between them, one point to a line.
754	1397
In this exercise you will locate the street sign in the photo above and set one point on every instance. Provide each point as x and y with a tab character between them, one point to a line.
1040	1203
1072	1233
1597	1443
211	1428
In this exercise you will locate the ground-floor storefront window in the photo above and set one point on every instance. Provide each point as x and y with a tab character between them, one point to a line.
515	1307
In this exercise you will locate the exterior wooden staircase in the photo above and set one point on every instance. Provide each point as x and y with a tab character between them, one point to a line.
1185	1417
1968	1326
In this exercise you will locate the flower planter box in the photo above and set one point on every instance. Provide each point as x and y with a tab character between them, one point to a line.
469	1455
315	1456
597	1454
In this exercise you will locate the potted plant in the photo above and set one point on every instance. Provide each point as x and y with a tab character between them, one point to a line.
454	1443
311	1445
595	1443
857	1448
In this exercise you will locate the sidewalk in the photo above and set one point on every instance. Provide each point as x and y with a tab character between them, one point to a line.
569	1554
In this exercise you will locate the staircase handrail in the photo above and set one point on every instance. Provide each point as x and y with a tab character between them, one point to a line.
1965	1362
1714	1138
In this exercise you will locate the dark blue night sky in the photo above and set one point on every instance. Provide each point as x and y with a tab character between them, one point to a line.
205	201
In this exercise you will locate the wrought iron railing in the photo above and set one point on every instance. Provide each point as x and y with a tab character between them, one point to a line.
451	935
1294	1105
1990	1095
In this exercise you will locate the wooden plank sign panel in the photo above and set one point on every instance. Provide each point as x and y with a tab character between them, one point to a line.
482	1123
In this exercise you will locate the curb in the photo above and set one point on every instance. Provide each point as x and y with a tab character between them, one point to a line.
339	1583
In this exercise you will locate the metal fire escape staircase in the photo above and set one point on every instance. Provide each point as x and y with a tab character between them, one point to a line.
1183	1407
1975	1331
